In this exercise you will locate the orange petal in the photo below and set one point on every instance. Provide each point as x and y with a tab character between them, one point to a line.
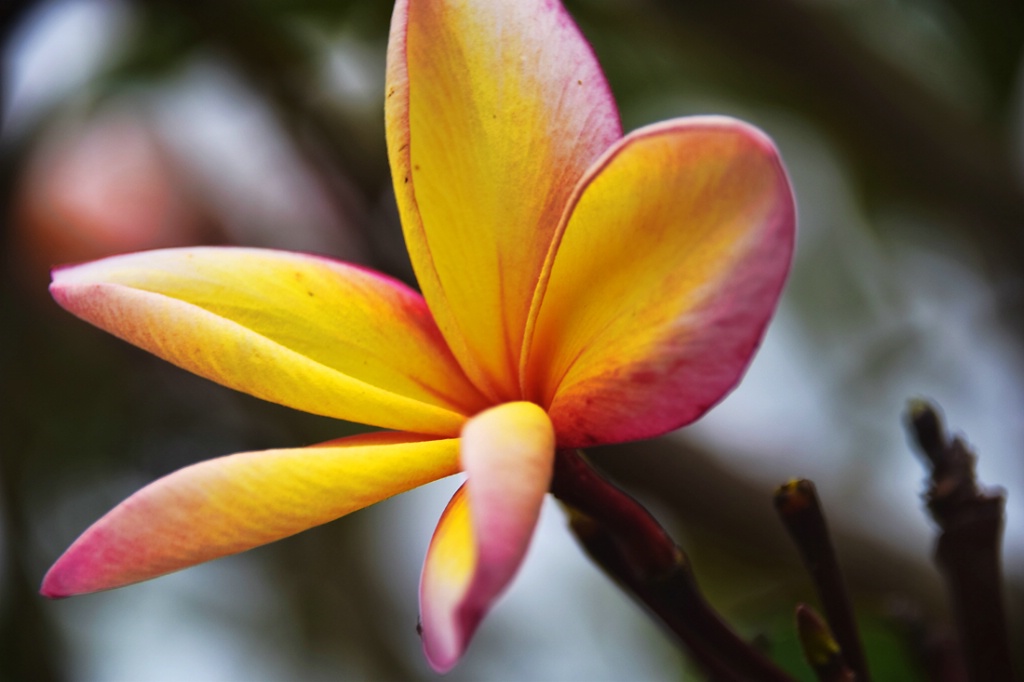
234	503
494	111
303	331
663	281
482	537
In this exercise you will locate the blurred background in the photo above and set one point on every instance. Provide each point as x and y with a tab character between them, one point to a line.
130	125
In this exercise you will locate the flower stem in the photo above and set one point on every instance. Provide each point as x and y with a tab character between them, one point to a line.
623	538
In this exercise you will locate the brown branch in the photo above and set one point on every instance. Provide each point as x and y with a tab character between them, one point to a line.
968	548
624	539
820	648
722	506
800	510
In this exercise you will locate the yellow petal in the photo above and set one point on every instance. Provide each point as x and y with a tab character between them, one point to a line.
303	331
663	281
231	504
494	111
482	537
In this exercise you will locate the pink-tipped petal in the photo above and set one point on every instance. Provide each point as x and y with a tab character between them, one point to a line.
663	281
483	535
231	504
494	111
304	331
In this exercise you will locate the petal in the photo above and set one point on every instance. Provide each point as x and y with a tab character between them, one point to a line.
482	537
494	111
231	504
303	331
664	279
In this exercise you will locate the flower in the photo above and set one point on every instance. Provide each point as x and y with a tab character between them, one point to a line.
579	288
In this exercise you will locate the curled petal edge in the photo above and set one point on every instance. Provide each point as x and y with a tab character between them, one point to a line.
482	538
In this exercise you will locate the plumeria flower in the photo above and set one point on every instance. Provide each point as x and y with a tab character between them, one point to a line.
579	288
